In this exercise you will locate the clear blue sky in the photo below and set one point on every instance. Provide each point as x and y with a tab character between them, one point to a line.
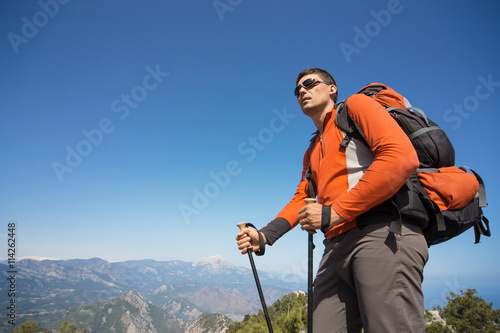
115	115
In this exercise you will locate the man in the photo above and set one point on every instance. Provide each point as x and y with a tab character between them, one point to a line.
369	277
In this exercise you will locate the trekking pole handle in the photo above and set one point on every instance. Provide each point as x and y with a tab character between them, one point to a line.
242	225
310	201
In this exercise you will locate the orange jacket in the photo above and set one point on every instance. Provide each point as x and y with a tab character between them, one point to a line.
354	179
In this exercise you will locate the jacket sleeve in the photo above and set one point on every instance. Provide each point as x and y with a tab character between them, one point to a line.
287	219
395	158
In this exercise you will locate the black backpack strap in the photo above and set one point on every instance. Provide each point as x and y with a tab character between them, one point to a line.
308	174
396	226
481	229
434	208
485	231
345	123
348	126
431	207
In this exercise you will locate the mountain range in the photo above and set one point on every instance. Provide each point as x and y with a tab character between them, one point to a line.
175	293
132	313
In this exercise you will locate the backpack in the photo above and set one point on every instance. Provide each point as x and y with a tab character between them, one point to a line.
450	198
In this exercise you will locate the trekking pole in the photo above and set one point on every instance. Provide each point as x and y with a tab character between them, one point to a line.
310	248
242	225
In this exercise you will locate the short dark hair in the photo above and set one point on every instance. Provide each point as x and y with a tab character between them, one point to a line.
324	75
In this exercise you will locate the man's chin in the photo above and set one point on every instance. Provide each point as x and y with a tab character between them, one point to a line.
307	108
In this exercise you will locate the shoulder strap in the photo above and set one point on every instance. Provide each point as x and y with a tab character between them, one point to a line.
308	174
345	123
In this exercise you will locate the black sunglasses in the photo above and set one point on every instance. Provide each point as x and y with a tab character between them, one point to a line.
307	84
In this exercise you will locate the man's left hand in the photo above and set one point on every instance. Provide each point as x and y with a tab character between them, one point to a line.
310	217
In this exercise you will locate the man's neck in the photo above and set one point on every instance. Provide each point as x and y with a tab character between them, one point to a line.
319	118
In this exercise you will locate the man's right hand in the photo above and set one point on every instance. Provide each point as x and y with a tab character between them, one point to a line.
246	238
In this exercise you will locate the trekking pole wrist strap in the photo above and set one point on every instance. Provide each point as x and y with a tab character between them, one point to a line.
326	216
262	243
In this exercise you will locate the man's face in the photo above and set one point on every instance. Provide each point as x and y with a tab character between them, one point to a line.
317	97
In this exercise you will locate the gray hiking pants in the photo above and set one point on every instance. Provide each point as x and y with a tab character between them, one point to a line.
371	278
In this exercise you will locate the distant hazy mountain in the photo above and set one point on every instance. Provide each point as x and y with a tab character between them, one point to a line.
53	289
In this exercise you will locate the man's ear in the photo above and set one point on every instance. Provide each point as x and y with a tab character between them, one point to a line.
333	92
